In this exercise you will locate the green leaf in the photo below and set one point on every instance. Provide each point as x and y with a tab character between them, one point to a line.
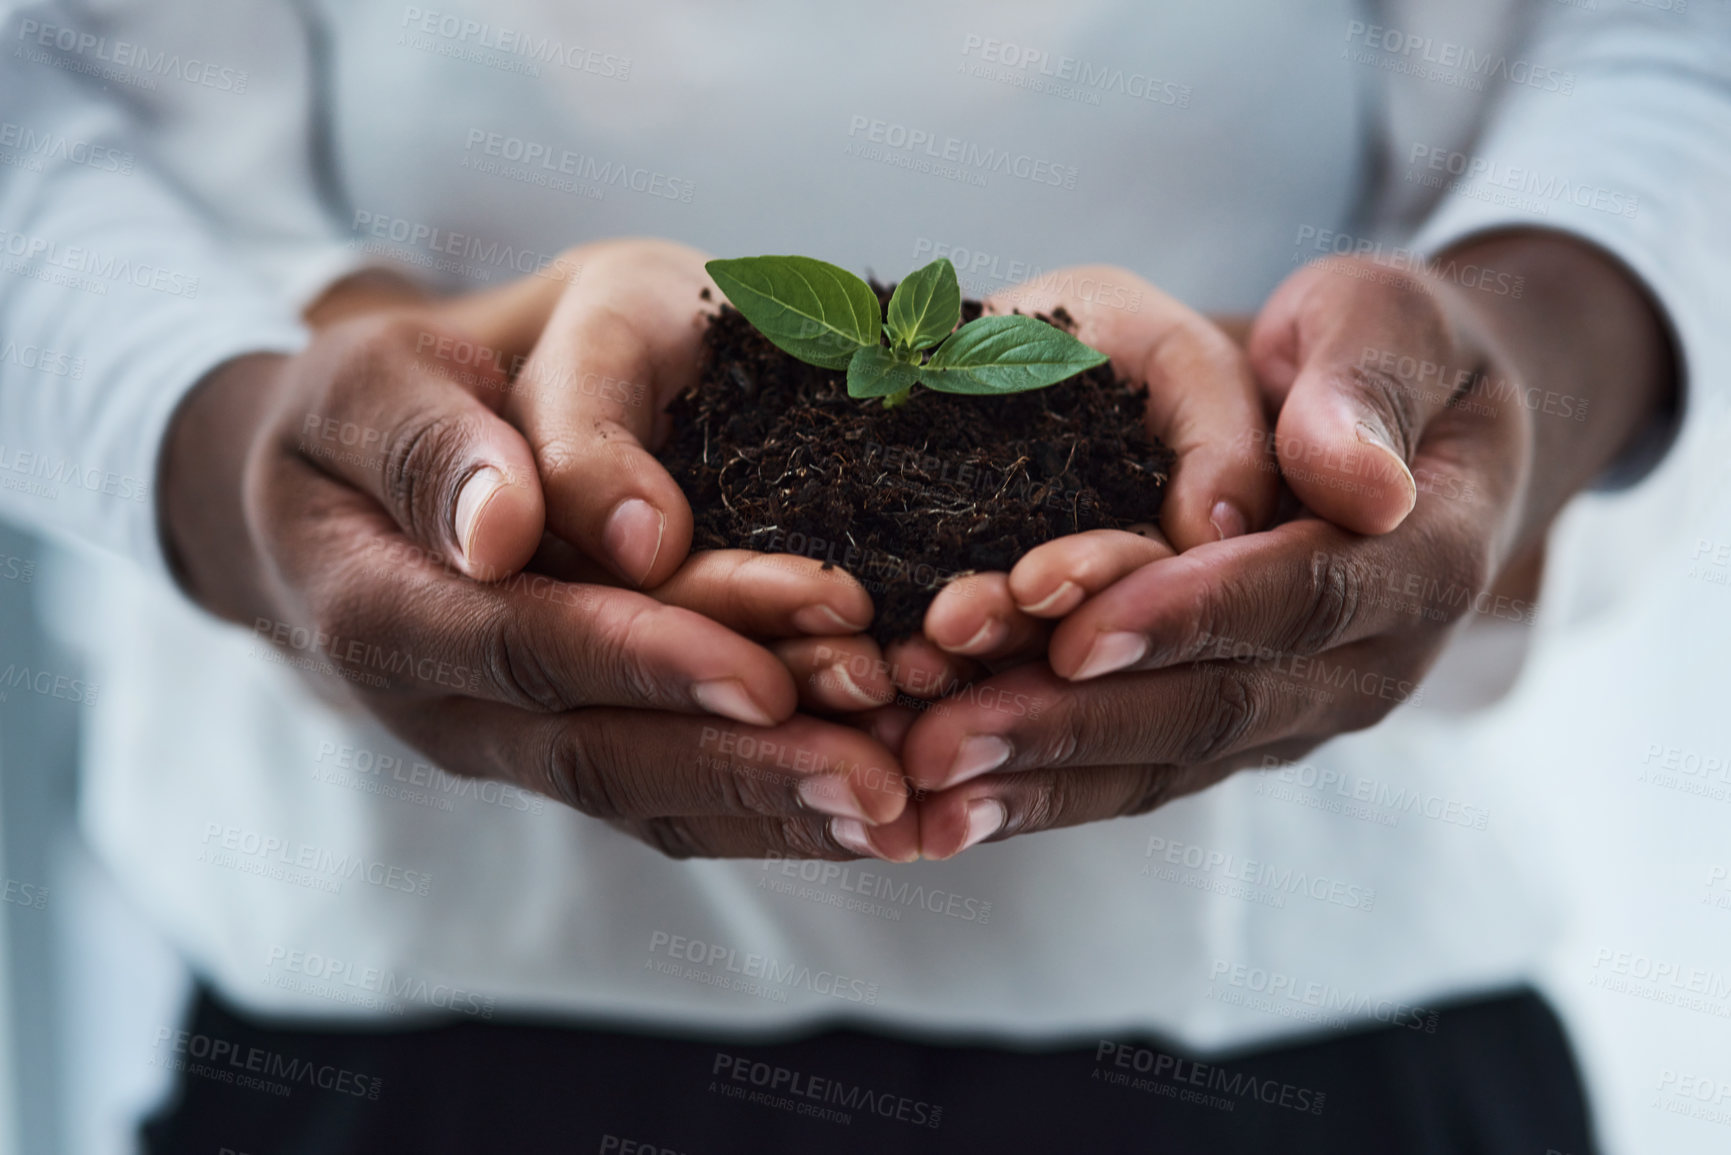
926	306
819	313
1007	355
876	372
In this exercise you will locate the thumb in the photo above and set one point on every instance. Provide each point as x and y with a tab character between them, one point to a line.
1358	358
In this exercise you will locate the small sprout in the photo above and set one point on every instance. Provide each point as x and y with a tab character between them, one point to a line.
827	317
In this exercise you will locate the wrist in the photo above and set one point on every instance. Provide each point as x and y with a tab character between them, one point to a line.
1583	350
202	509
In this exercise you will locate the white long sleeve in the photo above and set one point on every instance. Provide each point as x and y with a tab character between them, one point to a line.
114	300
1613	124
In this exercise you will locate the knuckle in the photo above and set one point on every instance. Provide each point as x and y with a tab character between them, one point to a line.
1333	600
582	777
516	668
803	838
623	647
1219	716
1045	804
1149	787
1393	401
419	472
673	837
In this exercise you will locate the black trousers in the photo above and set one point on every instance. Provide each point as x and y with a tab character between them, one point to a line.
1496	1076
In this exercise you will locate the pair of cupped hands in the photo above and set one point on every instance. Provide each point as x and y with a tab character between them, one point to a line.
456	503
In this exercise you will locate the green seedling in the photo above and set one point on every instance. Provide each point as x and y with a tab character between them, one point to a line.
828	317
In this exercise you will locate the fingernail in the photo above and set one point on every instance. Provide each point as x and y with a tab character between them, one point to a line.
1228	520
632	537
1057	603
1111	652
830	794
985	638
472	499
851	833
727	697
985	818
977	755
1375	439
843	681
820	619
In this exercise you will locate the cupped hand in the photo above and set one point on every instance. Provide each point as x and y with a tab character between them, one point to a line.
370	503
1166	670
1202	401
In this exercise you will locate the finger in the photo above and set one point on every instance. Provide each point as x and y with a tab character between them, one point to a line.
1202	400
1051	580
921	670
618	345
837	675
1301	588
769	595
1349	429
1027	718
888	724
976	617
426	446
398	618
625	765
838	839
1000	806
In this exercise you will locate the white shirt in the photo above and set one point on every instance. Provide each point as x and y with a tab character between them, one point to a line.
306	863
